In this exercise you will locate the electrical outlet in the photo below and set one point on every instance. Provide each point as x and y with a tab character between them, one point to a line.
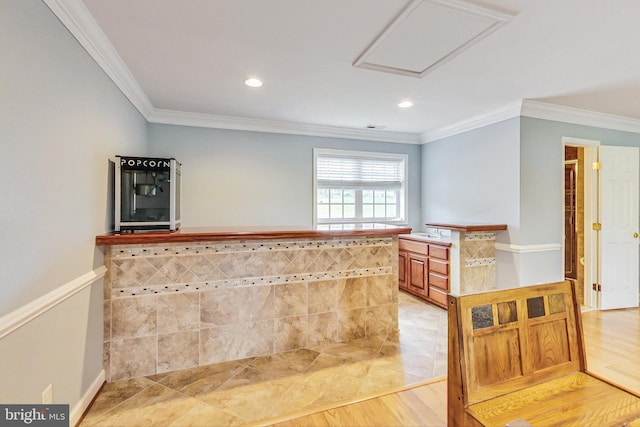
47	395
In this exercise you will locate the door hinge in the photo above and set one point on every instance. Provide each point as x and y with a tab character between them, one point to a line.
596	226
596	166
597	287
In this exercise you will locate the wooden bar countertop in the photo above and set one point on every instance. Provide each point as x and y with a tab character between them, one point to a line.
468	227
201	234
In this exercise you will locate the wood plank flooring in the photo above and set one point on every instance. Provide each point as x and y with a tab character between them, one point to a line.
420	406
612	340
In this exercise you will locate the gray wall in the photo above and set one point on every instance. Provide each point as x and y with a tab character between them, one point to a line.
542	173
541	191
509	172
474	177
254	178
61	118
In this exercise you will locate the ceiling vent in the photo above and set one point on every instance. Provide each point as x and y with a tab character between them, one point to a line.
428	33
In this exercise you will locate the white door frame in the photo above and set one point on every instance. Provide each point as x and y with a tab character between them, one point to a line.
590	177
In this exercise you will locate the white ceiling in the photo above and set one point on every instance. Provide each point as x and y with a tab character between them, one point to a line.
185	61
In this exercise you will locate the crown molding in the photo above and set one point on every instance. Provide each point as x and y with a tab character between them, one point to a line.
507	112
537	110
560	113
273	126
74	15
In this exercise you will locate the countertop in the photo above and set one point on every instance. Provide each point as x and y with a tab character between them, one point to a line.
200	234
427	238
467	226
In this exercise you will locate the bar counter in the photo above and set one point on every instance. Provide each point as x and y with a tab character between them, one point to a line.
467	227
202	234
207	295
472	256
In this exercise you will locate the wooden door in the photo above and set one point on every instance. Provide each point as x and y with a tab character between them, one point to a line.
619	216
570	220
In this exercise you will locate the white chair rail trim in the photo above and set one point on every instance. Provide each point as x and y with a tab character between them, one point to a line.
528	248
35	308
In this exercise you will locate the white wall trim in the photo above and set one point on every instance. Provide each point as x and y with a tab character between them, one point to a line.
507	112
74	15
23	315
82	405
560	113
275	126
528	248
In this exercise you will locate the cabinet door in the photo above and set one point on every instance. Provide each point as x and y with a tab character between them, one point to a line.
402	270
418	274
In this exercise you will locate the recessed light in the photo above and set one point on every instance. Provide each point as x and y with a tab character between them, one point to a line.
253	82
405	104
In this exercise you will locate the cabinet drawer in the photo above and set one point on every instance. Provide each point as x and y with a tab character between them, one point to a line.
411	246
439	252
441	282
439	266
438	296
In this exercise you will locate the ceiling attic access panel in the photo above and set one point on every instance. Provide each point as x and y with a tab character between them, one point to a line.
428	33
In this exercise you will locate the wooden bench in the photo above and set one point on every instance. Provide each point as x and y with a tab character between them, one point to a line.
517	358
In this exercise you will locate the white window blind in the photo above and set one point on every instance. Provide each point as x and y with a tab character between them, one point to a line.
350	172
355	186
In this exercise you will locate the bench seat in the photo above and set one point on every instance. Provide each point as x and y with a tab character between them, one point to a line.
517	358
572	400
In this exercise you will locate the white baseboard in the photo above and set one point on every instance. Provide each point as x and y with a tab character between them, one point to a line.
85	401
35	308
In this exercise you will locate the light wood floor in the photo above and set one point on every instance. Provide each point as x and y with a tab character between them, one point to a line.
612	341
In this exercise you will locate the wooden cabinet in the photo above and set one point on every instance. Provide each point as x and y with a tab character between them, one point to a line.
418	274
423	269
402	270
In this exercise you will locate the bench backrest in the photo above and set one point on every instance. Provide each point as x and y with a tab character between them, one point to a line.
506	340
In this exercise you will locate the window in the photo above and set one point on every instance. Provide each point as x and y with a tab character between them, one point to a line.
355	186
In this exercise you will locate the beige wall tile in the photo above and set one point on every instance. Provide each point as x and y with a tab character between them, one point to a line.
323	296
234	265
179	350
135	357
352	293
231	342
380	289
234	322
351	324
290	333
178	312
106	360
106	315
138	270
381	320
290	299
256	303
220	307
323	328
300	262
133	317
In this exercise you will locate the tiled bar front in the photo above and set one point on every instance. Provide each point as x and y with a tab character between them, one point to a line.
171	306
